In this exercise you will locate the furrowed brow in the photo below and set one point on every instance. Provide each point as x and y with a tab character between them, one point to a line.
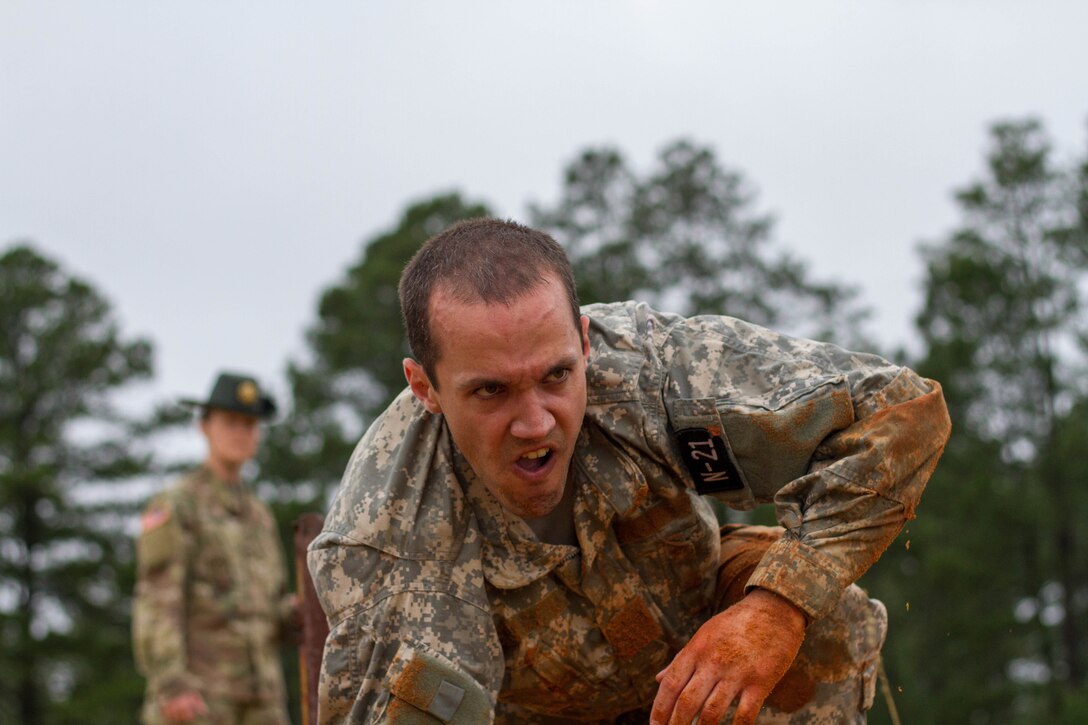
473	383
564	363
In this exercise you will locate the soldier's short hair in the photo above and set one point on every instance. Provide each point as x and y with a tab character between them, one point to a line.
478	260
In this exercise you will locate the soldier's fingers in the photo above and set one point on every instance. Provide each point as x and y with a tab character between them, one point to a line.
177	713
717	704
751	700
189	707
691	700
175	710
671	682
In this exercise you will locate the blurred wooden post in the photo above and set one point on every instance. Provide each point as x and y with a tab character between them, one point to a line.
314	625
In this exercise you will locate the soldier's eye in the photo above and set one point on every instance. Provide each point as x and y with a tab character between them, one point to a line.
558	375
488	391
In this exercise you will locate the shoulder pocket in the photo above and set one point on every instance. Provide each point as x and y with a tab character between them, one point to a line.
774	440
707	452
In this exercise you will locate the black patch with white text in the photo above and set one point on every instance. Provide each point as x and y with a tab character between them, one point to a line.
708	460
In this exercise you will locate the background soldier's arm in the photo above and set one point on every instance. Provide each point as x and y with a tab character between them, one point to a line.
159	632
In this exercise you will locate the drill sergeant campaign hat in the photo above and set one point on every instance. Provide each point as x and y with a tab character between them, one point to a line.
238	393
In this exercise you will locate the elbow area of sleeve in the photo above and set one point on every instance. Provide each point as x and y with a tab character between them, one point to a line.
800	574
428	691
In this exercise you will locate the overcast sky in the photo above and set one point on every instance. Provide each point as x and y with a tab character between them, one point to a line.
212	166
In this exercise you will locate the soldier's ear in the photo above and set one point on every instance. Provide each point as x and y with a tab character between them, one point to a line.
585	337
421	386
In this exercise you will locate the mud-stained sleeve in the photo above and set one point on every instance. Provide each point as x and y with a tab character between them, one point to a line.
158	619
842	442
863	487
409	642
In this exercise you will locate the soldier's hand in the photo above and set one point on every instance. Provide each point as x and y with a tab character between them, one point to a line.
184	707
738	655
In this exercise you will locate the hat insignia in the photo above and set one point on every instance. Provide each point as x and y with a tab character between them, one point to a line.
247	392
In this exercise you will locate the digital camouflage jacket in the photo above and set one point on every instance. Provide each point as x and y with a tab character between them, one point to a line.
444	607
210	603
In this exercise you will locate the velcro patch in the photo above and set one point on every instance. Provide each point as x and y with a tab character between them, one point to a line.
631	629
438	690
707	458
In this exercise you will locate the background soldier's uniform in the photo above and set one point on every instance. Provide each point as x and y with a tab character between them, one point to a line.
210	602
444	607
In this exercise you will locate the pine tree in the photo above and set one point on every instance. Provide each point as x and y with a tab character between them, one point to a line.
65	561
686	238
997	574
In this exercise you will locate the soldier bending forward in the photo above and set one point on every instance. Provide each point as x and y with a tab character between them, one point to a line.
525	535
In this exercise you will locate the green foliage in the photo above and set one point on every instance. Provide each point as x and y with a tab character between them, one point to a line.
356	345
65	565
997	575
686	238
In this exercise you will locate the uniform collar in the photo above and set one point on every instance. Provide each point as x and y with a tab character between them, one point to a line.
229	495
606	484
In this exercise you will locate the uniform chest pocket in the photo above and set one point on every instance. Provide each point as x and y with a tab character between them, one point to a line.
674	550
549	682
215	564
558	660
264	564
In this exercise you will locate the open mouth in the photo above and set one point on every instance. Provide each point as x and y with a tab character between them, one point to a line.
535	460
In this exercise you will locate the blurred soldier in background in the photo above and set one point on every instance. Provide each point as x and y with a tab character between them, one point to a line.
210	602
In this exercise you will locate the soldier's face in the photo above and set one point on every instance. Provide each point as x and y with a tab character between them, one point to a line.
512	388
232	437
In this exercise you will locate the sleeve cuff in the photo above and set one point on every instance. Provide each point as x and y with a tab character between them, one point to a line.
798	573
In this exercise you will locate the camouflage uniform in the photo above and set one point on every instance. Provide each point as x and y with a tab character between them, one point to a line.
444	607
210	602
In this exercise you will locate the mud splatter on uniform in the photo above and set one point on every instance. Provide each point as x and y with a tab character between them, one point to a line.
444	607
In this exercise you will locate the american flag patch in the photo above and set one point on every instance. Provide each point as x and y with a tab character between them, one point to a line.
153	519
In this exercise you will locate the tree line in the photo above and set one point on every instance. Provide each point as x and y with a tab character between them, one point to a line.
987	589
